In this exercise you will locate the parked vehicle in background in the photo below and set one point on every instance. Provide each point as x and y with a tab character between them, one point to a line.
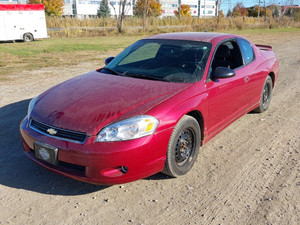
22	22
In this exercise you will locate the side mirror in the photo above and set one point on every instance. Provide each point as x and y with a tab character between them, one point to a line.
223	72
108	60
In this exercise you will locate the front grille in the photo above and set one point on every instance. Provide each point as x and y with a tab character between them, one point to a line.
61	133
70	166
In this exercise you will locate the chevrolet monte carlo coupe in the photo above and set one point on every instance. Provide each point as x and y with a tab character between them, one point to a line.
150	108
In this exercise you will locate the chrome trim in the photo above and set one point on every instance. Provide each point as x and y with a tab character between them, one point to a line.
64	139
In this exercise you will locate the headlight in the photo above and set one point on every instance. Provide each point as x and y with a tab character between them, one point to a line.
128	129
31	105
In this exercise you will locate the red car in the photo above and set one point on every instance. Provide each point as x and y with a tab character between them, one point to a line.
150	108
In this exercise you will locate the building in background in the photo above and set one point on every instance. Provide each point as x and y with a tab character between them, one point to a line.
207	8
88	8
199	8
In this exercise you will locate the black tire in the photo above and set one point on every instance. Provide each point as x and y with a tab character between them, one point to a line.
183	147
27	37
266	96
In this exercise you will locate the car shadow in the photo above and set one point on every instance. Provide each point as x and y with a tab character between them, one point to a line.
159	176
17	171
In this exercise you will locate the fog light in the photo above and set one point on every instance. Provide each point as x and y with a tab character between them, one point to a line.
114	172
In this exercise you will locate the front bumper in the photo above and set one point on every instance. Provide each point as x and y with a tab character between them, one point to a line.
101	163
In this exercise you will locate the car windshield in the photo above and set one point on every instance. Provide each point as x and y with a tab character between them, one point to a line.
165	60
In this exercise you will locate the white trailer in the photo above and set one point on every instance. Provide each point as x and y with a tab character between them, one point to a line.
22	22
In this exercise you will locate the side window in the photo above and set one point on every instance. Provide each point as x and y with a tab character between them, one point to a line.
247	50
227	55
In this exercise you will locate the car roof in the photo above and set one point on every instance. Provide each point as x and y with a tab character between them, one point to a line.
195	36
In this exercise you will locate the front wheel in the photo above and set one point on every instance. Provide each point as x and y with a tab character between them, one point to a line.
266	96
183	147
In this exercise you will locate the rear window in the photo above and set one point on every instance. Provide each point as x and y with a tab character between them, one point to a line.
247	50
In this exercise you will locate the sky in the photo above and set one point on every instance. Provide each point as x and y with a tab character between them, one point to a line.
229	4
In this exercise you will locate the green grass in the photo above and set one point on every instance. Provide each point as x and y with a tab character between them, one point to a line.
70	45
15	57
57	52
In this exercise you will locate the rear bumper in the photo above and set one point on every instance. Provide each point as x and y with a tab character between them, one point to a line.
101	163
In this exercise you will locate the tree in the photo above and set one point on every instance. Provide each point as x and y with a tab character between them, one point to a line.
275	12
221	14
293	12
218	4
103	10
185	11
52	7
121	15
153	8
254	11
240	10
285	6
146	8
262	11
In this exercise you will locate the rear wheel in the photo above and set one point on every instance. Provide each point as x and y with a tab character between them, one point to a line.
183	147
266	96
27	37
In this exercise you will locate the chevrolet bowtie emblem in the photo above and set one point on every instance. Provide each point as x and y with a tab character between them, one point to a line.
52	131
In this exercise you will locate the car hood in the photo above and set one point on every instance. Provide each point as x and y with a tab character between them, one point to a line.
91	101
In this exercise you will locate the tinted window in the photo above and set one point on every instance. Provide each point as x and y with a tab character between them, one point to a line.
247	50
228	55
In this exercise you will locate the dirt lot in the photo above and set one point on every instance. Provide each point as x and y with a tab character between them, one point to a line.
248	174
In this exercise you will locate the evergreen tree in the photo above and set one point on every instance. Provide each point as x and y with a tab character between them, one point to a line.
229	13
276	12
103	10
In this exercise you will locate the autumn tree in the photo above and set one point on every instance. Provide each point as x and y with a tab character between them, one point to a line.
52	7
221	14
153	8
34	2
262	11
147	8
240	10
103	10
185	11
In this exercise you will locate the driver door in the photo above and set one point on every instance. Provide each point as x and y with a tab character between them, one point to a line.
228	97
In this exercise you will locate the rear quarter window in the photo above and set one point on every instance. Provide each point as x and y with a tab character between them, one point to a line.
247	50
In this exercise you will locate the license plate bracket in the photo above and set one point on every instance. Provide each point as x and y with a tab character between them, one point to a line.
46	152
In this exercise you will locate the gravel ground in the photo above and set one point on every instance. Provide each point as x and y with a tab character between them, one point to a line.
248	174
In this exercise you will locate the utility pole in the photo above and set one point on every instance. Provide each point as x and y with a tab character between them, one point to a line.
258	8
179	8
265	10
204	9
218	3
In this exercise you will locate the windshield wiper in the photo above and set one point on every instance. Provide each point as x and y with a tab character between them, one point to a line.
112	71
144	77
